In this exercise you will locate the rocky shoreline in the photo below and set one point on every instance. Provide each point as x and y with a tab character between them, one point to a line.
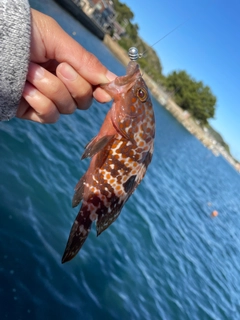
182	116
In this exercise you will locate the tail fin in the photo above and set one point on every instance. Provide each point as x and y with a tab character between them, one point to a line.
78	234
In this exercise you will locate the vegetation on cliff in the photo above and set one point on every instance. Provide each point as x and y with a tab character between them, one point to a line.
150	63
191	95
218	138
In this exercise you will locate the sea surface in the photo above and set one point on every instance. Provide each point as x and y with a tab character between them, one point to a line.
164	258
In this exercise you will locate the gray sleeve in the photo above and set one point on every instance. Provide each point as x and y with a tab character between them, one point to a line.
15	37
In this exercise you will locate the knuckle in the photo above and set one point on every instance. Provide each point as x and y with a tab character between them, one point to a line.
83	98
91	62
56	87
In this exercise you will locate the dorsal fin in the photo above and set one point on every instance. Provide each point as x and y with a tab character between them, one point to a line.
94	146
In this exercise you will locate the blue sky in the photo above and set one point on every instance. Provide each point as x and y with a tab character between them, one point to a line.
207	46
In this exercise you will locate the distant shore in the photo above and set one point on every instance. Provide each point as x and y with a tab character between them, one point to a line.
182	116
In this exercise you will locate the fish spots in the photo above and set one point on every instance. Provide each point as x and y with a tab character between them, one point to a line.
115	144
133	109
129	143
127	123
82	230
93	216
119	192
95	200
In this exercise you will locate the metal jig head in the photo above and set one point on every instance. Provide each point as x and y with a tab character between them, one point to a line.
133	54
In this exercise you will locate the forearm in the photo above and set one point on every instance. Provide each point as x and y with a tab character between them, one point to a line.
15	36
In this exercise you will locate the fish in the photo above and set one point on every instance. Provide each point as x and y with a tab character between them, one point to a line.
120	155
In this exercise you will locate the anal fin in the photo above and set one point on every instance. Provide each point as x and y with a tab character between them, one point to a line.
79	191
78	234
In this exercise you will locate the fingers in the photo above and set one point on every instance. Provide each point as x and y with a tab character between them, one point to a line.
46	96
36	107
51	87
78	87
58	45
72	77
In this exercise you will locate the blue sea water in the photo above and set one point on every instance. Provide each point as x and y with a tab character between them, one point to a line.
164	258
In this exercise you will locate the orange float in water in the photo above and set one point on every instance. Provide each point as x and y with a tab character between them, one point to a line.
214	214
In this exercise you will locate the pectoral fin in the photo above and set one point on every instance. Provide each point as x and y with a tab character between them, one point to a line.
94	146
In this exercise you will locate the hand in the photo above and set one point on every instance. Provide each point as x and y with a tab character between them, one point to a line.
62	75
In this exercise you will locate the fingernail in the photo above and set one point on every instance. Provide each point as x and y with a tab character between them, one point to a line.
35	72
111	76
39	73
67	71
106	96
29	90
104	79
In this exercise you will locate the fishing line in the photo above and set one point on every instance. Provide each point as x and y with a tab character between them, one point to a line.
167	34
133	52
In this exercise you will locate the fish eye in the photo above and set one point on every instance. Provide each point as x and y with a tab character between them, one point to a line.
142	94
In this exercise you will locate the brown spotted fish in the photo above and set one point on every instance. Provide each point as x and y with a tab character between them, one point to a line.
121	153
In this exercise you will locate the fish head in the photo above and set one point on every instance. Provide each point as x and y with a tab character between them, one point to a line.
132	103
126	87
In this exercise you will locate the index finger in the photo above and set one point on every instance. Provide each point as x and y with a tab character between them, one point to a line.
57	44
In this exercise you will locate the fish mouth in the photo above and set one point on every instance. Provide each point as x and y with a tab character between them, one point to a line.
132	67
133	72
124	83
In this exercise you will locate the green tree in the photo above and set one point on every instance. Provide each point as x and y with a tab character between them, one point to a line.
124	13
132	31
192	95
